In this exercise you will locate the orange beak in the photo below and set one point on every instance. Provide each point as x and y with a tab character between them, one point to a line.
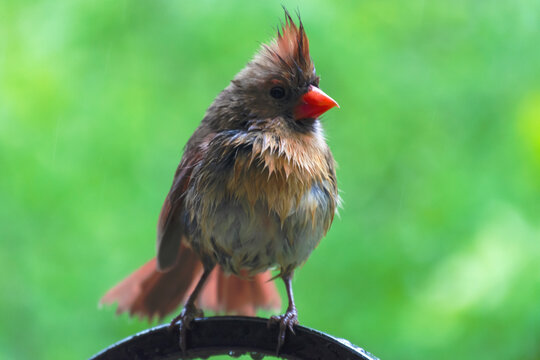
313	104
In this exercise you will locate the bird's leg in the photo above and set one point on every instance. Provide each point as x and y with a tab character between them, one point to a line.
190	311
290	318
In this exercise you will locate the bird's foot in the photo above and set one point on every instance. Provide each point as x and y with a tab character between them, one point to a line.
188	314
285	321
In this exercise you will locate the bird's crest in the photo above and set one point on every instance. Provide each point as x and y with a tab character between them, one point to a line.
291	46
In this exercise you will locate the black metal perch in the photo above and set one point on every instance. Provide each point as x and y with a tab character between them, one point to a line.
232	335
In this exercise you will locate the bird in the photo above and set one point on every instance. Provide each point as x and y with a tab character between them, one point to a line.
255	192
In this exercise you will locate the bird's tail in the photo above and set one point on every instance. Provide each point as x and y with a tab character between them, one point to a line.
148	292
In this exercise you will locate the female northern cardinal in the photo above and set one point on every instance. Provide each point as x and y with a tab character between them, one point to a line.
255	189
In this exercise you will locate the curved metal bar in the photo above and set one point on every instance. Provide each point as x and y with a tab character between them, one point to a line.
232	335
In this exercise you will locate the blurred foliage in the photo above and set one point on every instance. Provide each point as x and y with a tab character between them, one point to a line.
435	253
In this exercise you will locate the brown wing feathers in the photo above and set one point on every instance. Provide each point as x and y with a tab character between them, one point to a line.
170	229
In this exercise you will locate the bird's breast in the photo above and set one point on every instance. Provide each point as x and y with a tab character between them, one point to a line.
258	207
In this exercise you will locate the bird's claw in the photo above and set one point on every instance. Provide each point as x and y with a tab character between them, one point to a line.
188	314
285	321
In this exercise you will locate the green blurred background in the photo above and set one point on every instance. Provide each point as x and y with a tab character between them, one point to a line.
436	251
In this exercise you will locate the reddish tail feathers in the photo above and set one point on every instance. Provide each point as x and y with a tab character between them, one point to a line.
149	293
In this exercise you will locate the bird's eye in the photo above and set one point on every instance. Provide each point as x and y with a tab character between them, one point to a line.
277	92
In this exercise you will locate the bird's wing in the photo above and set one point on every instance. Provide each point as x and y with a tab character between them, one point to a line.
170	228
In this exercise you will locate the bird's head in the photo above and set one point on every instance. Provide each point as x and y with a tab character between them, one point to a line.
280	81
